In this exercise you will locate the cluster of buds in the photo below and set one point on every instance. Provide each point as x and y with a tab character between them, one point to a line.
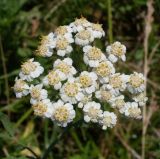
87	91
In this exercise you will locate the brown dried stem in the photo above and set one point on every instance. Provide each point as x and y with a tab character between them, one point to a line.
148	29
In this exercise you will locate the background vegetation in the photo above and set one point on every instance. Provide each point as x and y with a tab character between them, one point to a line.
136	23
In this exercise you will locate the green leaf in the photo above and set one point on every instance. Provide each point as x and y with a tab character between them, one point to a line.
6	123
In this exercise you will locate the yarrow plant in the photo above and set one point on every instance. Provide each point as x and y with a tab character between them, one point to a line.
88	90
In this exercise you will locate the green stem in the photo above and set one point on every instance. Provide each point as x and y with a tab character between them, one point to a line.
46	134
74	135
4	71
24	117
55	141
110	32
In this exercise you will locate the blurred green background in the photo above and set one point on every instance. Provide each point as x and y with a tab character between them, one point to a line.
22	22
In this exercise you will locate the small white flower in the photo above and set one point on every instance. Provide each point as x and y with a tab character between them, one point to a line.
21	88
30	70
37	93
117	82
62	113
65	67
64	31
140	98
63	45
118	102
93	56
80	24
88	82
115	51
136	83
132	110
97	30
87	98
92	112
71	91
54	79
109	119
84	37
45	49
104	70
104	94
41	107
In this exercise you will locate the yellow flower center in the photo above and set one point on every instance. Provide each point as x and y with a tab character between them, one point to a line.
141	97
61	114
62	66
119	103
115	81
39	109
93	113
85	80
44	40
136	81
107	120
41	50
84	35
18	87
53	78
61	30
94	53
97	27
80	21
71	89
103	69
86	99
106	95
117	50
35	93
62	44
134	112
28	67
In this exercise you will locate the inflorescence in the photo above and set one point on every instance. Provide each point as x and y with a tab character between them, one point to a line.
88	90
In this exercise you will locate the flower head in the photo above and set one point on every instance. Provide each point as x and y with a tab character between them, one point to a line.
71	91
37	93
96	30
80	24
88	81
103	94
92	112
30	70
109	119
65	67
62	113
87	86
21	88
46	46
93	56
40	108
104	70
116	51
64	31
140	98
63	45
118	102
86	98
84	37
132	110
54	79
117	82
136	83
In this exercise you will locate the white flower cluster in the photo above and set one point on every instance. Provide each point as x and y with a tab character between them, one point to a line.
92	90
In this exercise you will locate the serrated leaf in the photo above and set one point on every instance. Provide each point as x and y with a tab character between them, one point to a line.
6	123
